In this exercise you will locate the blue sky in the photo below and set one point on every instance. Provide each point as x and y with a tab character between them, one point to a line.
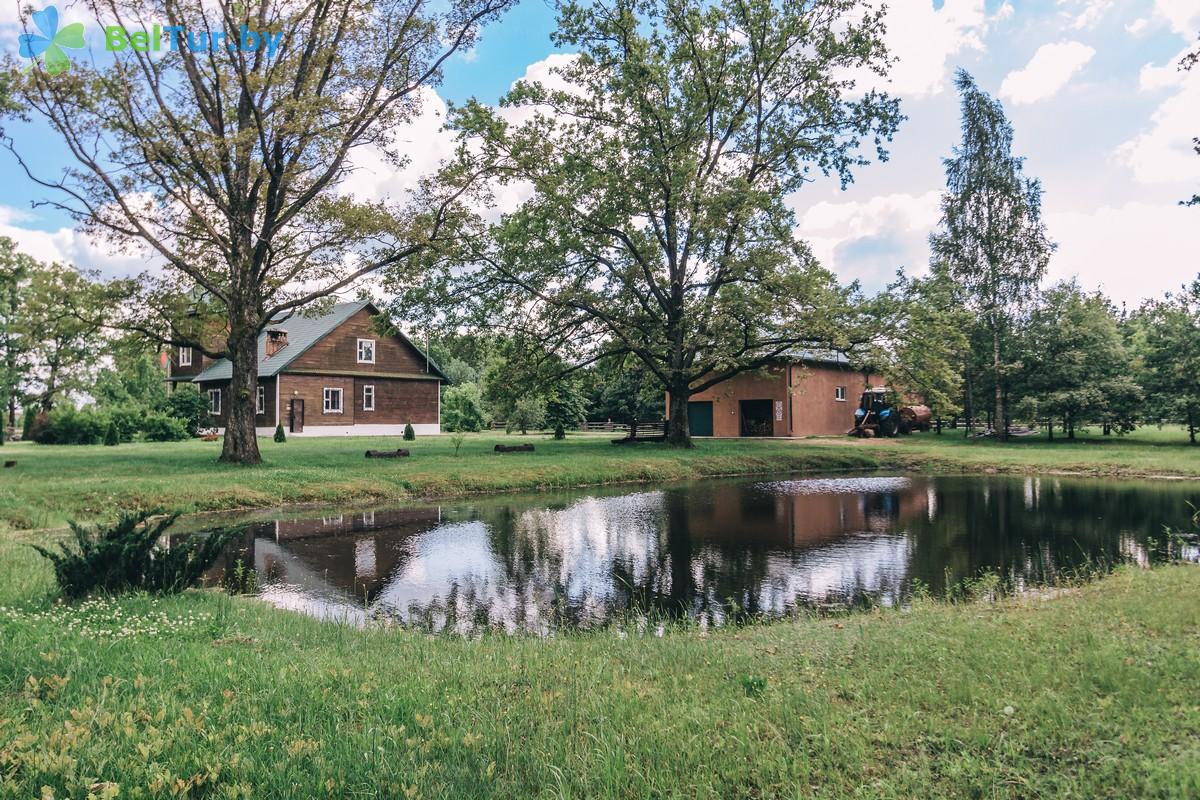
1101	113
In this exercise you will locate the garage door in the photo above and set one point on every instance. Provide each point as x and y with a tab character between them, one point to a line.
700	418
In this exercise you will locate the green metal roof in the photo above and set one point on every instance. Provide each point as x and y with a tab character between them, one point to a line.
302	332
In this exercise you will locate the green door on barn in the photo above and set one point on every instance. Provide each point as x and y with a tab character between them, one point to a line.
700	418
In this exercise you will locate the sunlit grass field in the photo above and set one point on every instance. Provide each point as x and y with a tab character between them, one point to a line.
50	484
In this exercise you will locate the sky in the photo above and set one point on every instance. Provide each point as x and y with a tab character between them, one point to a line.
1102	114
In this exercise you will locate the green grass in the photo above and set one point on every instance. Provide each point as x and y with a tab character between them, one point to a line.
53	483
1090	694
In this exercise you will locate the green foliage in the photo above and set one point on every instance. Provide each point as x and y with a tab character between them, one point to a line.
159	427
457	440
1075	365
28	415
128	420
127	556
462	408
409	433
280	436
186	403
136	381
627	393
529	414
460	372
68	425
1167	337
566	407
112	436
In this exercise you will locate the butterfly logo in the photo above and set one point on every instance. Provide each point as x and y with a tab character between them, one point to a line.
50	42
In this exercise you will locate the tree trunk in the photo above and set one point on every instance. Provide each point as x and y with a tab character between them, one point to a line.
1191	425
1050	427
967	409
1000	420
1071	427
51	389
241	441
677	424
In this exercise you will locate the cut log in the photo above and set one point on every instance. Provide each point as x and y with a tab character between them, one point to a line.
514	448
662	437
397	453
9	464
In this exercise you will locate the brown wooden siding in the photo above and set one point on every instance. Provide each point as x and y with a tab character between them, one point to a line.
198	365
265	420
397	401
339	350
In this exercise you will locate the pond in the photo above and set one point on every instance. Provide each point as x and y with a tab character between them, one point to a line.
713	551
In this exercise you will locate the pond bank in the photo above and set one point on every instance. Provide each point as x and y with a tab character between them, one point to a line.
51	484
1090	694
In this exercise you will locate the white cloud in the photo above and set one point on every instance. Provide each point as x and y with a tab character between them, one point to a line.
1153	76
69	246
1084	14
1050	69
925	39
870	240
1183	16
421	140
1163	153
1133	252
1138	25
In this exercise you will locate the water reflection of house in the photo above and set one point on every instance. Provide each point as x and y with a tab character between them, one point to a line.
349	554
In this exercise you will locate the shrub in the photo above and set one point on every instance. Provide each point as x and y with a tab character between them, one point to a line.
559	433
186	403
159	427
128	420
27	420
566	407
462	408
37	425
409	433
67	425
456	439
127	556
111	437
529	414
280	436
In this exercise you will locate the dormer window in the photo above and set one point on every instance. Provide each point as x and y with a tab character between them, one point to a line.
276	341
185	356
366	351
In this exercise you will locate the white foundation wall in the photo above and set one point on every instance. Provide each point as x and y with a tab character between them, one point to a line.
421	429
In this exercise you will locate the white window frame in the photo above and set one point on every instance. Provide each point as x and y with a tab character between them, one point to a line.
185	356
368	390
327	395
260	400
214	409
839	394
362	360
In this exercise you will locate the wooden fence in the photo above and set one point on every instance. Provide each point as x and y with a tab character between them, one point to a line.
644	428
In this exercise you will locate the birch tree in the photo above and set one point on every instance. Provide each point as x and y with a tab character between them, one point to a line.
992	237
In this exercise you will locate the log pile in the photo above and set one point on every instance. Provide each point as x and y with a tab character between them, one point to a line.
397	453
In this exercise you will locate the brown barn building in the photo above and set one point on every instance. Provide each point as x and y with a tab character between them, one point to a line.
327	375
806	395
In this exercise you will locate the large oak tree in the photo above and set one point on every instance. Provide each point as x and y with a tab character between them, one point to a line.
656	164
228	166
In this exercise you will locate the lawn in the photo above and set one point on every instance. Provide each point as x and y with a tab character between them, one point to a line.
53	483
1090	693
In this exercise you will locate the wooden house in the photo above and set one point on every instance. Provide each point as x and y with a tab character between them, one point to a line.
328	375
805	394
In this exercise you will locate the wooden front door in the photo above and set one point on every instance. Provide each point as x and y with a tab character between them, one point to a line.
296	418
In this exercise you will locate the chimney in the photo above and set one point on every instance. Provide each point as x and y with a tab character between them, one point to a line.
276	341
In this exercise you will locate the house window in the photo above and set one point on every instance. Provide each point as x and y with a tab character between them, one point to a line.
368	398
366	351
214	402
260	401
839	394
333	401
185	356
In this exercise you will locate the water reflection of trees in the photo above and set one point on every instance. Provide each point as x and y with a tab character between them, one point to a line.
709	551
